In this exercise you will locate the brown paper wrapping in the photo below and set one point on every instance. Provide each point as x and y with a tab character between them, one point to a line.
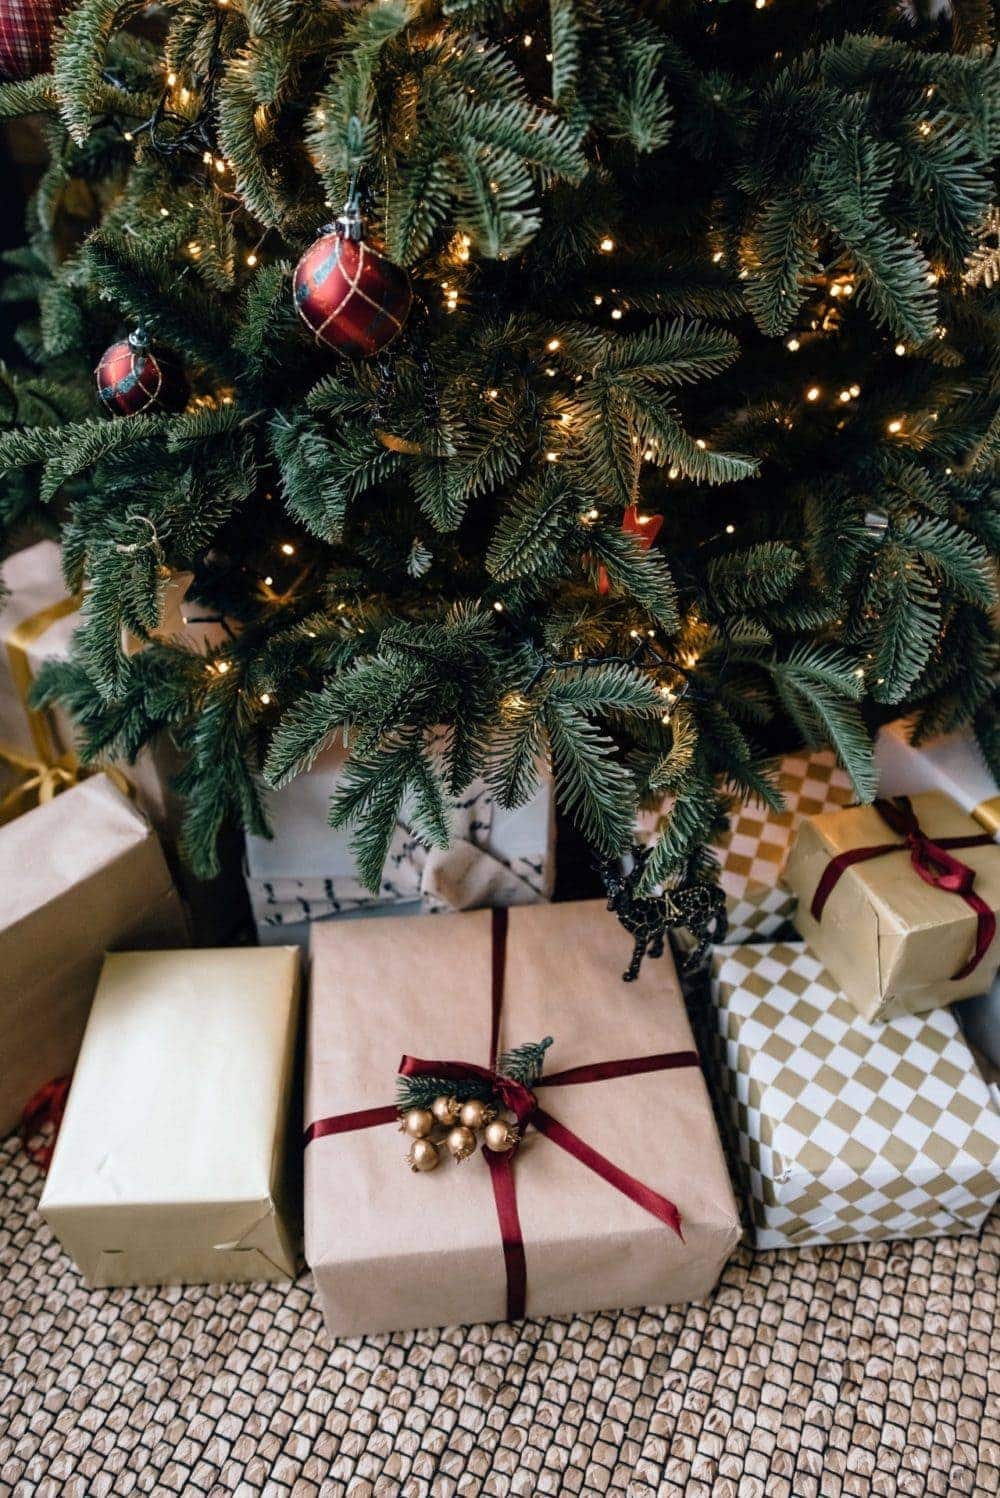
892	941
172	1165
391	1249
78	875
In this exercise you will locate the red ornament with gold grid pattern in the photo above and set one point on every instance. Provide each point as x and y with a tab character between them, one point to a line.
135	377
26	28
354	299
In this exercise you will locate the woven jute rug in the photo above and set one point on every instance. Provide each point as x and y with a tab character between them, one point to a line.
856	1370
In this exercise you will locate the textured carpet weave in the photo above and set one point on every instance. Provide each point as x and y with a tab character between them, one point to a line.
858	1370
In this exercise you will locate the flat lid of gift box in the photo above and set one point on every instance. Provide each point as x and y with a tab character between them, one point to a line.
181	1089
63	842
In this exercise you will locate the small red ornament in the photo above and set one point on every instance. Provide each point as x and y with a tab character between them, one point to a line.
354	299
646	527
26	28
135	377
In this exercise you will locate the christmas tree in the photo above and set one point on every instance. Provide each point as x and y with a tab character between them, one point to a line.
605	382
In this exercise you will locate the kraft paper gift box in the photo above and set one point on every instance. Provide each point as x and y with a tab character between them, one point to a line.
753	852
849	1131
172	1164
307	872
952	763
390	1248
81	873
893	941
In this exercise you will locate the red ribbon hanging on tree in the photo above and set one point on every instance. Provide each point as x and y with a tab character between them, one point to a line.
41	1113
522	1101
930	859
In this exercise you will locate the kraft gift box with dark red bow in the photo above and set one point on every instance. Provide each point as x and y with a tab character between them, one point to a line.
899	901
616	1193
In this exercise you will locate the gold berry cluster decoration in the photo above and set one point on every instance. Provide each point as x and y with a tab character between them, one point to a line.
454	1126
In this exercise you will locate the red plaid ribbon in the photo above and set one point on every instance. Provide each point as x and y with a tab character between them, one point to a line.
26	37
522	1102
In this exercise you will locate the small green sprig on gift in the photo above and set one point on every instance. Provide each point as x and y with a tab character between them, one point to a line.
440	1113
524	1064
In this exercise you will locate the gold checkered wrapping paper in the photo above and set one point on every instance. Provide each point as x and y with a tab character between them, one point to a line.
848	1131
753	853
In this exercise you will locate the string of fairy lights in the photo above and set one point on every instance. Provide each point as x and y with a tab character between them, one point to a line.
188	110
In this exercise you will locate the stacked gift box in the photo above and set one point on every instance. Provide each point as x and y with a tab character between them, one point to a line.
862	1109
547	1144
38	747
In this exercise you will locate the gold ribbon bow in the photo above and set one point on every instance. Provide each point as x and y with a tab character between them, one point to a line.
41	775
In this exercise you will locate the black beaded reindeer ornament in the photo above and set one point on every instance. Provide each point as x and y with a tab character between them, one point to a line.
700	907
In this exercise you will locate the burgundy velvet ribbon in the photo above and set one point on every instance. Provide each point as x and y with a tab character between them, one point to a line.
524	1105
931	860
42	1112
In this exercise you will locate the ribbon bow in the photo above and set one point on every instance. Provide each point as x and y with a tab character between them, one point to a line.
930	858
42	781
515	1096
522	1102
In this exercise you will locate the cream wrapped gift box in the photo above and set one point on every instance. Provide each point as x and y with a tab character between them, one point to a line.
307	872
171	1165
952	763
390	1248
79	874
850	1131
753	852
875	904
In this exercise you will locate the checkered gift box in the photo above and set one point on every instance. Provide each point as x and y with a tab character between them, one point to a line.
753	853
849	1131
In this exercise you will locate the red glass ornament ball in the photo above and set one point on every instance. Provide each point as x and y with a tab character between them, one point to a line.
134	377
26	28
354	299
